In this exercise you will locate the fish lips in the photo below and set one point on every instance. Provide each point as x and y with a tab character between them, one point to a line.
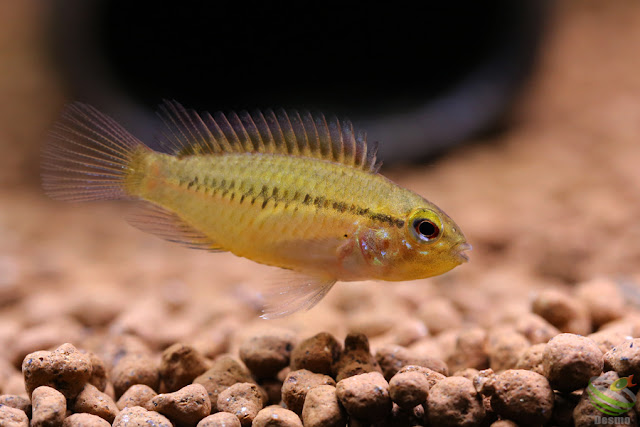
460	251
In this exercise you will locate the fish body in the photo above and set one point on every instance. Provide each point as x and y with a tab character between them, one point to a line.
287	190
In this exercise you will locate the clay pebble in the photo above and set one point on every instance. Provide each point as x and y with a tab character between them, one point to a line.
137	395
454	401
180	365
93	401
276	416
365	396
392	358
624	358
410	386
298	383
134	369
12	417
570	360
268	353
317	354
225	371
470	350
136	416
563	311
49	407
17	402
184	407
65	369
504	347
85	420
221	419
356	358
244	400
322	408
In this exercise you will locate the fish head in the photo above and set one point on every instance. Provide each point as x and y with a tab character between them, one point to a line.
427	243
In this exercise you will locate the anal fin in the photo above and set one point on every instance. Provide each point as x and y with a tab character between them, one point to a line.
295	293
165	224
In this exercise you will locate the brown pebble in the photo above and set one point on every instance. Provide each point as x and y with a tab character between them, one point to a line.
93	401
563	407
535	328
184	407
180	365
134	369
505	346
522	396
322	408
85	420
17	402
405	417
112	348
221	419
503	423
136	416
468	373
273	389
298	383
98	371
12	417
624	358
49	407
603	300
225	371
587	414
316	354
409	389
268	353
392	358
454	401
566	313
569	361
439	314
607	339
276	416
356	358
470	350
137	395
365	396
65	369
531	359
244	400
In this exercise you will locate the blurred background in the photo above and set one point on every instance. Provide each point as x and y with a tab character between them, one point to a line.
520	119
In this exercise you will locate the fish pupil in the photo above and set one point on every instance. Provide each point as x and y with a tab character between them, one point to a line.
426	228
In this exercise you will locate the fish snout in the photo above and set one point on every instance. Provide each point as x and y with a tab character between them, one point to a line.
460	249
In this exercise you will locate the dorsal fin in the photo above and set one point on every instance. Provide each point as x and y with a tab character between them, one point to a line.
280	132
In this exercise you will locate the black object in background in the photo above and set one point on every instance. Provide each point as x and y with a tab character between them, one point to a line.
418	79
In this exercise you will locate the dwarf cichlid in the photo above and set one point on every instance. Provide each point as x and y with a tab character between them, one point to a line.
296	191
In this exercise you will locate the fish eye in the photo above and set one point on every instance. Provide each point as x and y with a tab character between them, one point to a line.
426	229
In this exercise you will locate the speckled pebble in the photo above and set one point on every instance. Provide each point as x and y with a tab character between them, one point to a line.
298	383
244	400
570	360
84	420
356	358
134	369
225	371
392	358
66	369
180	365
470	350
184	407
624	358
322	408
136	416
531	359
454	401
137	395
49	407
267	353
221	419
505	346
276	416
317	354
93	401
12	417
17	402
365	396
409	388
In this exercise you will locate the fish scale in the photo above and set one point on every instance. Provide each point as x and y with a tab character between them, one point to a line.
292	190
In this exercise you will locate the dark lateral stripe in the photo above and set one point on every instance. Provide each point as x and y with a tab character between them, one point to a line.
275	196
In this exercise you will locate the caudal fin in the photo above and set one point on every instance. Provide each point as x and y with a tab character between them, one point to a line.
88	156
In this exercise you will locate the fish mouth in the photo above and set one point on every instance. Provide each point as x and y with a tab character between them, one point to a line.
460	249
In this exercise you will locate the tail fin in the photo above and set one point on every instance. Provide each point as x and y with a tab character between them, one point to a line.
88	156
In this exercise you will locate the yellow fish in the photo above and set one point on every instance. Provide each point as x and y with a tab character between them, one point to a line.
296	191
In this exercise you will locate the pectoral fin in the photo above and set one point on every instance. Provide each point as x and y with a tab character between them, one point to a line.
296	292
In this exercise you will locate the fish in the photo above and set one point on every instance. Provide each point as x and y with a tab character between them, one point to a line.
295	190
